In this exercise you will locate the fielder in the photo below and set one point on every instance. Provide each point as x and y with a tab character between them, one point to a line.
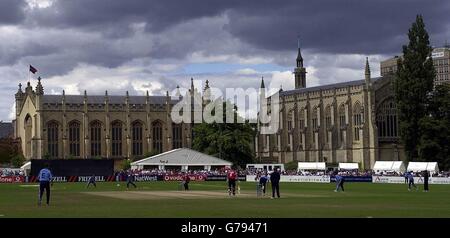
45	180
91	181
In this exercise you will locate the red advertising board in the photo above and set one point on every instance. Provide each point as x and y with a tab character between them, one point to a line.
12	179
180	177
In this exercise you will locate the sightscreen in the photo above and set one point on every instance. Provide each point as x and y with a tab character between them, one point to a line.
74	167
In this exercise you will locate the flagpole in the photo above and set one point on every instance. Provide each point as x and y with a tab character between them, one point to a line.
29	75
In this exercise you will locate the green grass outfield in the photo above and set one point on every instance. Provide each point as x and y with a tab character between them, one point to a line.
298	200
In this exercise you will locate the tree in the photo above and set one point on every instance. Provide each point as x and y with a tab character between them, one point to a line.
17	160
229	141
435	128
413	83
126	164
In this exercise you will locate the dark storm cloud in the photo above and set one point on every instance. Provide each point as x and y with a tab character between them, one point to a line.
330	26
100	13
351	26
11	11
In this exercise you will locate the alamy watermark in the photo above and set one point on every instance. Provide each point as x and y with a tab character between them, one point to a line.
253	106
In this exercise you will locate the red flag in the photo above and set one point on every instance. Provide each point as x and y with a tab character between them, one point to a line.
32	69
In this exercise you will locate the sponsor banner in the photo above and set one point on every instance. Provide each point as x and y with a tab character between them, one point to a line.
367	179
439	180
417	180
305	179
298	178
86	178
180	177
12	179
142	178
387	179
223	178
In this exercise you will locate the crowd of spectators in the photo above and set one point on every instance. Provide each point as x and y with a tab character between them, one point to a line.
255	171
11	172
174	172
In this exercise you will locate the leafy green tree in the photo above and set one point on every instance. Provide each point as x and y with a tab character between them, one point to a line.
17	160
229	141
126	164
414	82
435	129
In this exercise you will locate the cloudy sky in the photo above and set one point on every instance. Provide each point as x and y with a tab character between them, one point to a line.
140	45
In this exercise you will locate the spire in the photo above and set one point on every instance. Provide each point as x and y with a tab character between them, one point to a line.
85	94
367	66
39	88
19	92
106	97
281	88
367	73
192	83
147	94
262	83
299	55
207	85
167	98
64	98
178	94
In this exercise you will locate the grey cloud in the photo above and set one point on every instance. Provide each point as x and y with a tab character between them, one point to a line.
350	26
337	26
11	11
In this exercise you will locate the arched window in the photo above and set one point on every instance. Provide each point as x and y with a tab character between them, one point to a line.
116	138
328	117
28	130
177	141
387	119
342	123
357	120
52	139
289	121
301	119
74	138
327	120
301	124
96	138
342	116
315	125
137	138
157	136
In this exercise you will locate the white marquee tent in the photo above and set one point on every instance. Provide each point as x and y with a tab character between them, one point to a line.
397	166
265	167
348	166
421	166
311	166
181	158
26	168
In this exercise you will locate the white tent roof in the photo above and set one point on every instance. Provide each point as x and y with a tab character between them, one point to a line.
348	166
180	157
397	166
27	165
421	166
311	165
